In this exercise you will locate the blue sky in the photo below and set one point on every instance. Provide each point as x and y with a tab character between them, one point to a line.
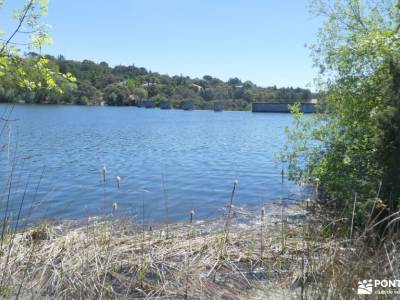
258	40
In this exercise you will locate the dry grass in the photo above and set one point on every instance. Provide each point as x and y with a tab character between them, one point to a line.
104	259
283	257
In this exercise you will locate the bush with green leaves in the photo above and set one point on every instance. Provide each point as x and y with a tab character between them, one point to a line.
353	145
34	72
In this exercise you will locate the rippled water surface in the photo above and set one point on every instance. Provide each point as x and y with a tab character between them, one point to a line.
185	159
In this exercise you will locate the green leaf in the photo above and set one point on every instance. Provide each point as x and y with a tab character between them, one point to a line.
44	4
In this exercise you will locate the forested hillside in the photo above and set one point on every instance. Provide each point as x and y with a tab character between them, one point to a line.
98	83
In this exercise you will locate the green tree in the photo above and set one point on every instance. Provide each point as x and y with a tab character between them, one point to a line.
140	93
86	93
207	94
35	72
234	81
116	94
131	84
353	145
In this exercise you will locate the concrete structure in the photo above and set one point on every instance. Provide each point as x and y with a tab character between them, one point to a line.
308	108
149	104
146	103
187	105
165	104
218	106
281	107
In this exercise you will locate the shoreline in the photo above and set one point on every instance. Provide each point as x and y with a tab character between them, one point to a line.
242	214
228	256
98	105
158	108
293	252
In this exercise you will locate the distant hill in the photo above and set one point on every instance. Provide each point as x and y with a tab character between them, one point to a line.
98	83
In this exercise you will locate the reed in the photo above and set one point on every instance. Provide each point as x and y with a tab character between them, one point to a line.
166	204
262	233
229	214
103	172
118	181
109	260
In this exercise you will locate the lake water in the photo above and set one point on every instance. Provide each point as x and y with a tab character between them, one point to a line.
187	159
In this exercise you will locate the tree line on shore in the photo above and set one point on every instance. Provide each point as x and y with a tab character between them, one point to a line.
98	83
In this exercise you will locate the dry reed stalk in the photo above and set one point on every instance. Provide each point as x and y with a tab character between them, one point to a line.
118	181
262	233
229	215
102	261
352	217
107	260
166	205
